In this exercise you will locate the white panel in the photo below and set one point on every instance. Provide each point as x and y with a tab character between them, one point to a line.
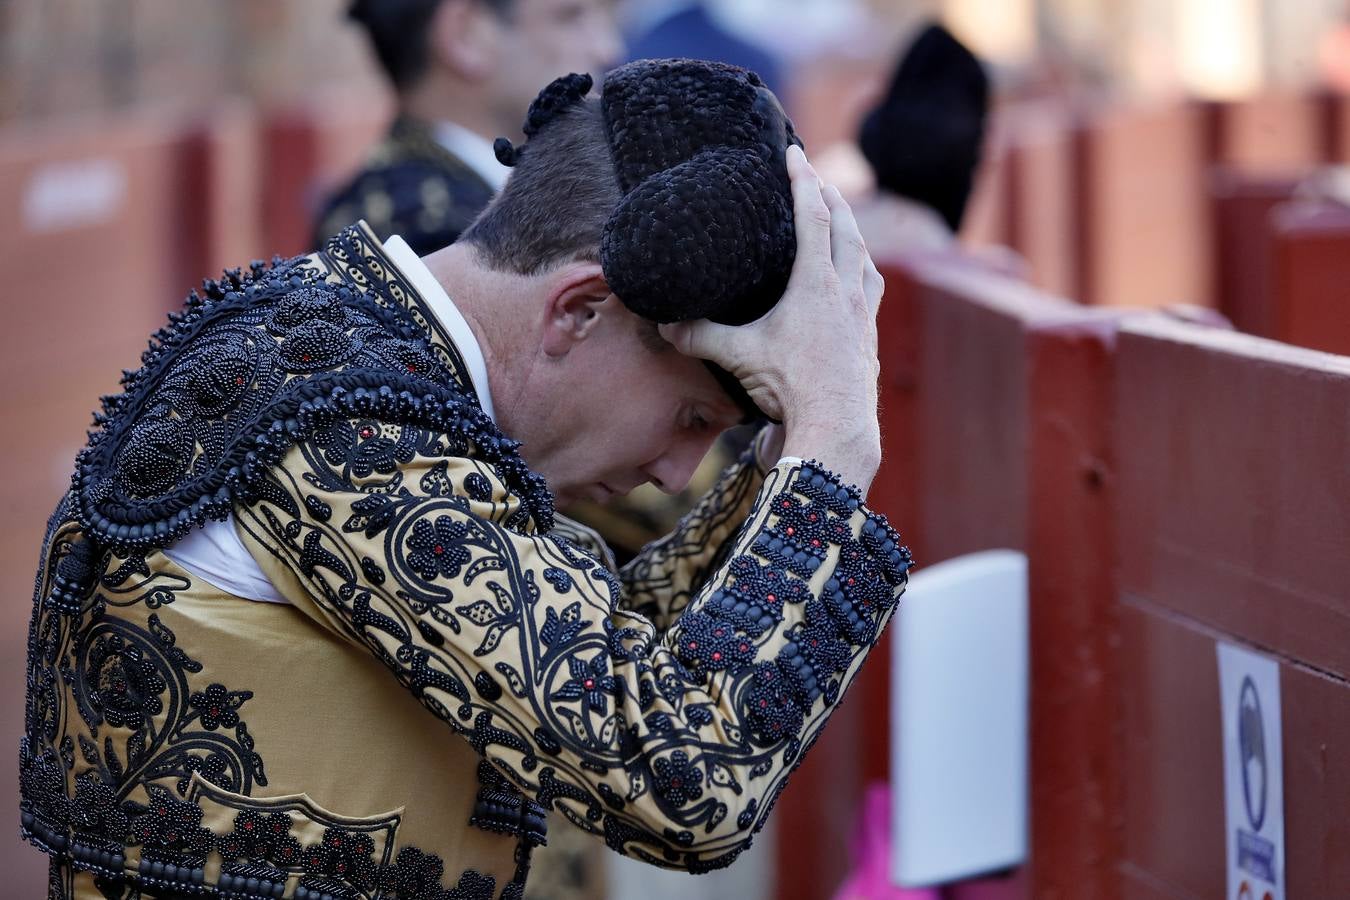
750	877
959	720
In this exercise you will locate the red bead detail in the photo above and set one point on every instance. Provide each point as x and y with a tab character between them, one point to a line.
692	645
239	380
763	704
786	504
412	370
815	542
589	683
852	581
772	598
304	357
791	530
745	647
717	656
248	826
675	782
438	550
367	432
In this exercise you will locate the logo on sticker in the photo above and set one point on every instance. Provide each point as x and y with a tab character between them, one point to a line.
1252	747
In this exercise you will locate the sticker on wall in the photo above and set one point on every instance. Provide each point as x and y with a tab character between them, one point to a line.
1253	779
73	194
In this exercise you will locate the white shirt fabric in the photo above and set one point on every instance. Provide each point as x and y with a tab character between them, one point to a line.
475	151
215	554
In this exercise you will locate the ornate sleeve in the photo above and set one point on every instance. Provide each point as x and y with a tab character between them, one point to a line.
661	579
672	746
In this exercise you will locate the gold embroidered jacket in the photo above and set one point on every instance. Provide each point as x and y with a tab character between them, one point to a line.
451	661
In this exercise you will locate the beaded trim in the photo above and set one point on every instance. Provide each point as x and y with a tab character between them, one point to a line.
259	363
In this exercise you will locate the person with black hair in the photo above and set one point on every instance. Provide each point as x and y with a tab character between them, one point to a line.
462	72
306	624
923	142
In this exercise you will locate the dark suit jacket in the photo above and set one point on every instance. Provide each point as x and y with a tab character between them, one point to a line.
412	186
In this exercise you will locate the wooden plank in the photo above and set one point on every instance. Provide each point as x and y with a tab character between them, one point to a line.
1143	221
1015	393
1240	207
1280	132
1234	490
1310	249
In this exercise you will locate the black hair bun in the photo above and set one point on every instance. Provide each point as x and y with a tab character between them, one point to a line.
705	227
704	239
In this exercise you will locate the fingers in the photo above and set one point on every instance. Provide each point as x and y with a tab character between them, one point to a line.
704	340
810	214
874	286
846	244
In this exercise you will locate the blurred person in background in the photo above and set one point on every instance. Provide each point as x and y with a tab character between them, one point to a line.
463	72
306	623
697	29
923	143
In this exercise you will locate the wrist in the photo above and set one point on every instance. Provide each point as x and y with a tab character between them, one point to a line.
853	453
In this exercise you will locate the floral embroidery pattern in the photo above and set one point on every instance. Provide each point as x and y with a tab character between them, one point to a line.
590	679
437	548
677	779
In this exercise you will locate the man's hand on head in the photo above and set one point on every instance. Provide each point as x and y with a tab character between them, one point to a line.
811	361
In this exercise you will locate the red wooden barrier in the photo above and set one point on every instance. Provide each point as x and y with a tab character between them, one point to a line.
1042	203
1142	222
98	250
1240	207
308	150
1275	133
996	406
1015	452
220	208
1232	491
987	215
1310	269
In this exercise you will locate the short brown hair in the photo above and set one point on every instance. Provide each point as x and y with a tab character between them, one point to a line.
561	193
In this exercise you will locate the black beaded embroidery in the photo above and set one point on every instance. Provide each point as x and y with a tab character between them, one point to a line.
502	808
261	362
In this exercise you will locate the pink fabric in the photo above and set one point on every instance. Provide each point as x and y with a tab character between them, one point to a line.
870	879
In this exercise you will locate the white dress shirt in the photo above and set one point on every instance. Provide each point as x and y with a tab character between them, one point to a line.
475	151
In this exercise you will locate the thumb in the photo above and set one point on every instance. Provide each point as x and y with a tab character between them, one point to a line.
702	339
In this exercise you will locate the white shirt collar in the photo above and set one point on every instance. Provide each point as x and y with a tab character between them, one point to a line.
443	308
475	151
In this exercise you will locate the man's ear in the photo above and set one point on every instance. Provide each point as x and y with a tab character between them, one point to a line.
460	36
578	297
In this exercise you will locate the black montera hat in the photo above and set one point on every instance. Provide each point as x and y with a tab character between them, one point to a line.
923	141
704	229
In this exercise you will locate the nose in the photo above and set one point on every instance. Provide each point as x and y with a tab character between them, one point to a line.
672	471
